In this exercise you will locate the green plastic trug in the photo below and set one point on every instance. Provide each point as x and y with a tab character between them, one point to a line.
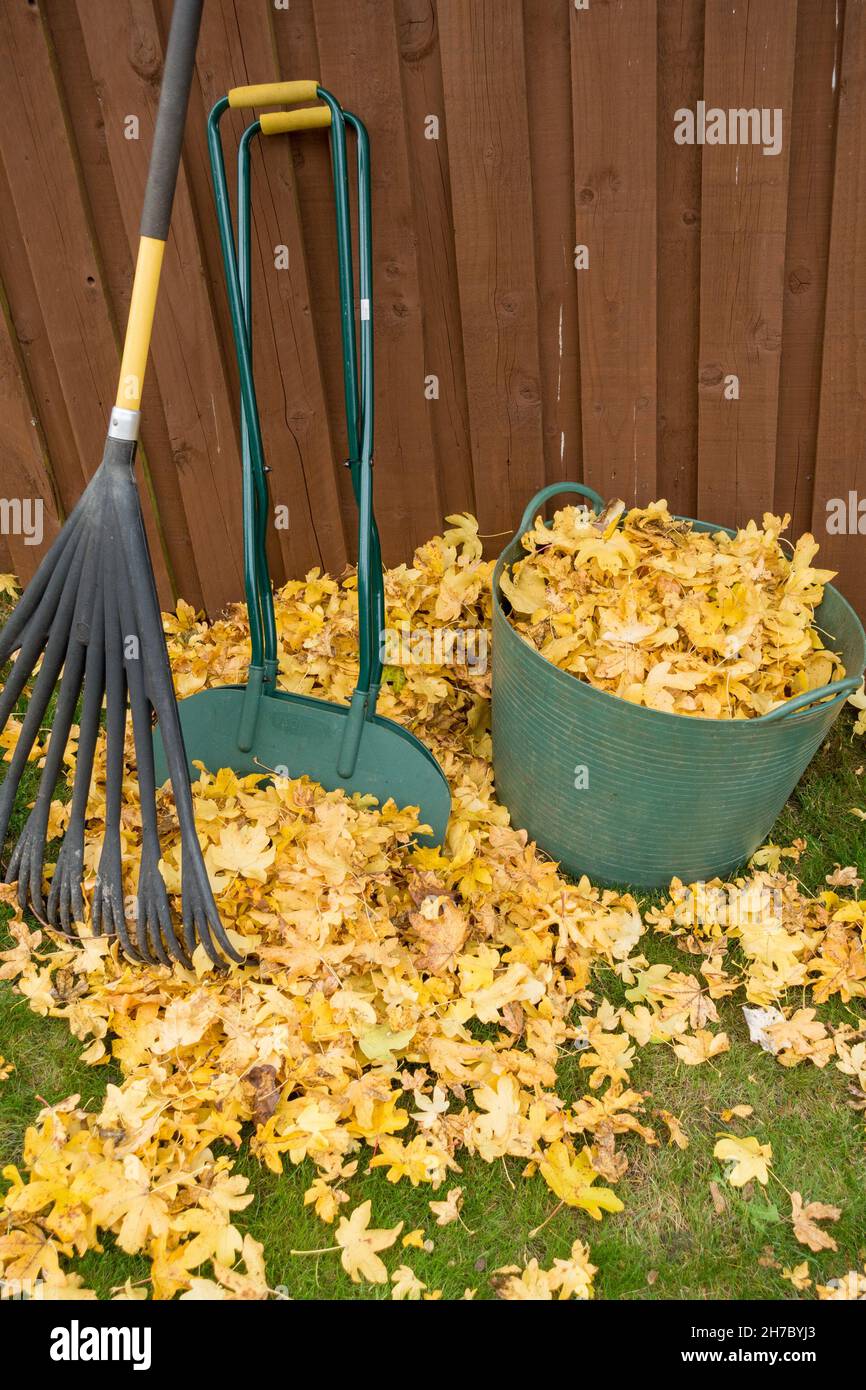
630	795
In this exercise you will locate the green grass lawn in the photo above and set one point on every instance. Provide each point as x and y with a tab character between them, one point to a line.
670	1241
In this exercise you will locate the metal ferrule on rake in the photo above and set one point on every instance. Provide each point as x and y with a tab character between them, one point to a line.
92	613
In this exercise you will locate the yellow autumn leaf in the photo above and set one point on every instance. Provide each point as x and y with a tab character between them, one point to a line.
448	1210
805	1218
699	1047
572	1177
798	1275
360	1245
749	1159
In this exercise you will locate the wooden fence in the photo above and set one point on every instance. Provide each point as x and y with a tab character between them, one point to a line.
708	344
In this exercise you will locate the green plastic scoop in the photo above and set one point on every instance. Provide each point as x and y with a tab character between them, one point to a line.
256	727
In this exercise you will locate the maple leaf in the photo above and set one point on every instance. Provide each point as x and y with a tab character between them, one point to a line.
246	1280
571	1176
694	1049
26	1253
805	1218
771	856
324	1199
501	1104
133	1205
798	1275
430	1108
748	1158
360	1245
844	878
800	1037
686	994
840	966
406	1283
572	1278
242	850
529	1284
443	929
611	1059
449	1210
675	1129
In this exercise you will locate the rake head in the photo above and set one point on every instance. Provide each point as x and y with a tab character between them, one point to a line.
91	613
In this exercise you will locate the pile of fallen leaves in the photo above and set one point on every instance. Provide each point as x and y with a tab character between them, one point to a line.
403	1007
643	605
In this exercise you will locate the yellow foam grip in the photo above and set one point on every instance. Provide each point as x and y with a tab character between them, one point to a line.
273	94
281	122
142	305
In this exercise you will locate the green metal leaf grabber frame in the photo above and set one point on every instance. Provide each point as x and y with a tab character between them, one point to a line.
256	727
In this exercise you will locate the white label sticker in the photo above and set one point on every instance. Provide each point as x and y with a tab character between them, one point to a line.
365	309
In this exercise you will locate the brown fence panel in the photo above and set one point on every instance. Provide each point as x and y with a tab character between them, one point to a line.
680	79
748	64
810	200
613	53
483	66
710	351
840	473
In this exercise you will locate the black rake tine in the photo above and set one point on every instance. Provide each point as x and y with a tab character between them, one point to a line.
40	699
154	911
29	852
109	917
33	641
201	920
48	579
65	895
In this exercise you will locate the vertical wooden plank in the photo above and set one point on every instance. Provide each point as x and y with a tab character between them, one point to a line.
361	65
45	193
423	98
297	48
125	51
551	164
154	464
48	197
24	469
613	51
748	63
841	452
234	50
484	77
680	79
810	199
32	344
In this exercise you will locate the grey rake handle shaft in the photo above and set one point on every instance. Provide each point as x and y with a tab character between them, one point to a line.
171	118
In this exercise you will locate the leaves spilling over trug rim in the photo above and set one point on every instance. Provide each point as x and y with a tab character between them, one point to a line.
643	605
